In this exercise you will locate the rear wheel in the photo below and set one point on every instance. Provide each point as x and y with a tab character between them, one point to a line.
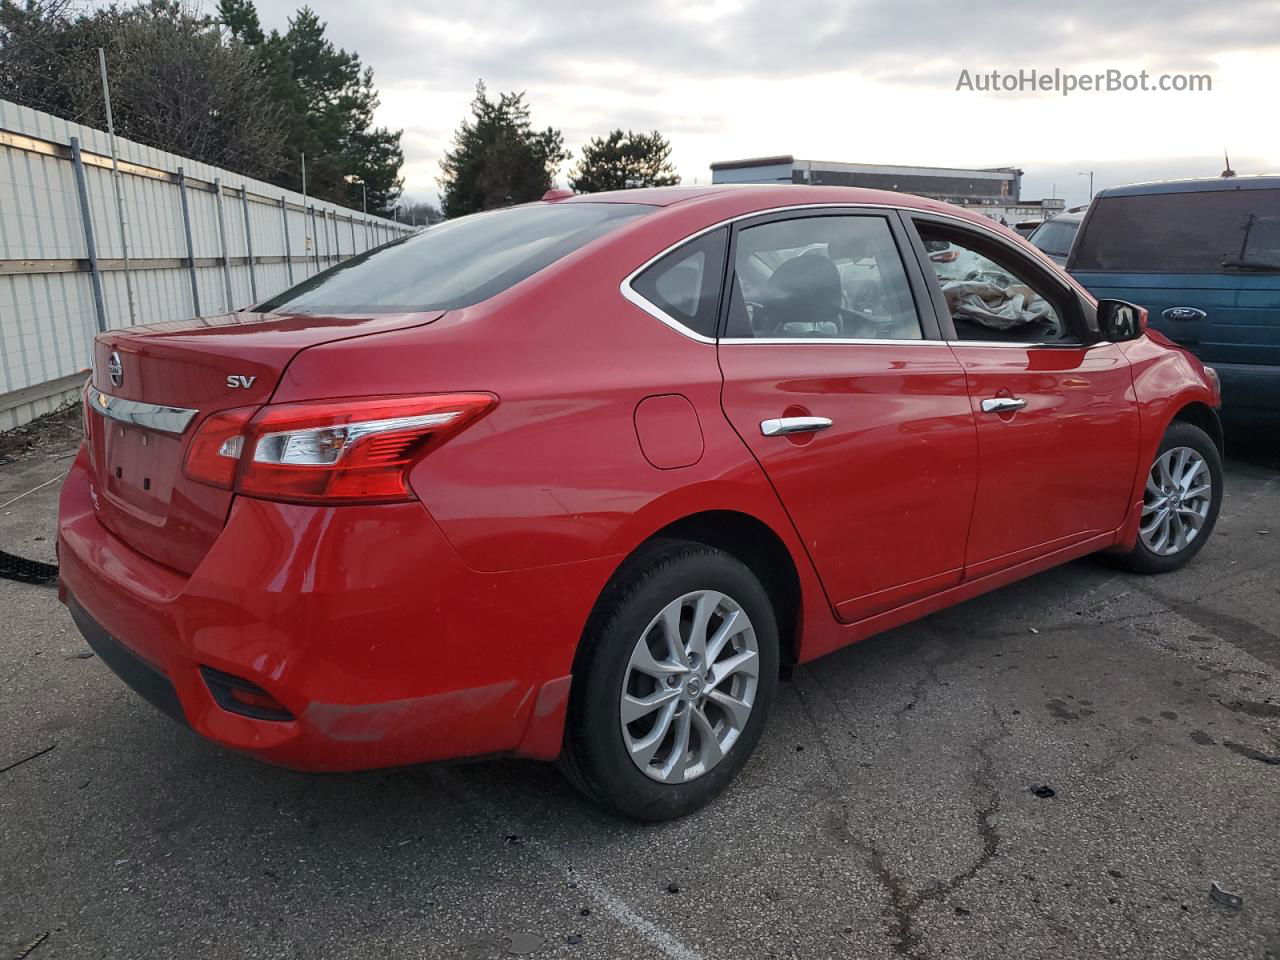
1181	501
674	683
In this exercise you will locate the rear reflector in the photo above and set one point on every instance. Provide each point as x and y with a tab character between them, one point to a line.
330	451
239	695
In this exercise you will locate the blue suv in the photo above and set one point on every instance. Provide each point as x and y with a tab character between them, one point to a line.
1203	256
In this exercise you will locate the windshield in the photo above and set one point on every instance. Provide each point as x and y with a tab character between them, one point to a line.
457	263
1218	231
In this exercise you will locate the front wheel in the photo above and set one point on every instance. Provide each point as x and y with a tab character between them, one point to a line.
1181	501
674	683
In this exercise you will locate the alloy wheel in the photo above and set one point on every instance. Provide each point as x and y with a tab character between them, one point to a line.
689	686
1176	502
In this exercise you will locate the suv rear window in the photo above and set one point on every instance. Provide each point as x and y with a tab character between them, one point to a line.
1215	231
457	263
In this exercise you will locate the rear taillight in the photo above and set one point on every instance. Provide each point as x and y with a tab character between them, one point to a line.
215	450
330	451
945	256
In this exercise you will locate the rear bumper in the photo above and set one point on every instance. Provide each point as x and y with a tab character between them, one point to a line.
1249	390
361	621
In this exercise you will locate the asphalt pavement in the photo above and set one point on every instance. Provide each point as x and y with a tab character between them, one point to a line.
1060	769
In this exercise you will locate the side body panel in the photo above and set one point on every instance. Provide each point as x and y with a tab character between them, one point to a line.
882	497
1059	470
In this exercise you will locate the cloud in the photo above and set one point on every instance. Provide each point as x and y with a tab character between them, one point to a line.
705	71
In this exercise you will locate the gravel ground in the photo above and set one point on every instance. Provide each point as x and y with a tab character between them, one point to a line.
892	809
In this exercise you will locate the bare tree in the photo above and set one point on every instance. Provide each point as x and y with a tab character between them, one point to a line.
176	82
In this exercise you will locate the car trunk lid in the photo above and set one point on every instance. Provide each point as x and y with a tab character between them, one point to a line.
160	382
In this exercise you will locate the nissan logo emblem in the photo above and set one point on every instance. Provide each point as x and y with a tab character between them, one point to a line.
115	369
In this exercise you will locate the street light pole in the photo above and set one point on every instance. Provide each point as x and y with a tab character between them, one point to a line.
1088	174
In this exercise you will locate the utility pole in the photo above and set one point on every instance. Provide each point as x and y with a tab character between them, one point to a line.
115	178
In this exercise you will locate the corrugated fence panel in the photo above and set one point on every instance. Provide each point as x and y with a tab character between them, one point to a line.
48	308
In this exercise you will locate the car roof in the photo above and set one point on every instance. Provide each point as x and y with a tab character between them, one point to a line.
1198	185
1070	217
723	200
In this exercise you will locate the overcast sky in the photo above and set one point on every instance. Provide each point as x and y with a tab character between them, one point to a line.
859	81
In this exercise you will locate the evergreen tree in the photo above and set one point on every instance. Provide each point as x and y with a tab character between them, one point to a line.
328	99
497	157
622	161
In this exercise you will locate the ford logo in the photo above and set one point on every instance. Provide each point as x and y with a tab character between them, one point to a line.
1184	313
115	369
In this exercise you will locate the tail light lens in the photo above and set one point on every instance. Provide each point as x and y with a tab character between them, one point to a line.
330	451
945	256
215	450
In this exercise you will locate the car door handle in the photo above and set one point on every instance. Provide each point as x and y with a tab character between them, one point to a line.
784	425
1003	404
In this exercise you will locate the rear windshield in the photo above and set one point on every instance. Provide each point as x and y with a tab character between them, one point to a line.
1218	231
457	263
1054	237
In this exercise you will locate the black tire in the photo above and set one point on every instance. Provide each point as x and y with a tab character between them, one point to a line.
1141	559
595	757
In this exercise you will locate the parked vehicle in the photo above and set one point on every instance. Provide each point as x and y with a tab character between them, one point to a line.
1056	235
578	479
1203	256
951	262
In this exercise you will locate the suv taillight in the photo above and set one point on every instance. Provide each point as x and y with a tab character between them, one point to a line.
330	451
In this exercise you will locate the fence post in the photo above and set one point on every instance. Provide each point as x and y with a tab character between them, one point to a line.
86	219
324	228
222	236
191	249
288	254
337	244
316	235
351	220
248	241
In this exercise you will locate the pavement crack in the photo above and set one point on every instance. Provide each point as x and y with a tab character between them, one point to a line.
904	906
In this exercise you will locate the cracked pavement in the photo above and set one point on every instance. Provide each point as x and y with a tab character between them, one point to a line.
889	812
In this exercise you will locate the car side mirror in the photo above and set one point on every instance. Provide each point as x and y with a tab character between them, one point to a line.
1119	320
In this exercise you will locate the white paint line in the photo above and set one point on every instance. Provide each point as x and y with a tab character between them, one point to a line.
615	906
31	491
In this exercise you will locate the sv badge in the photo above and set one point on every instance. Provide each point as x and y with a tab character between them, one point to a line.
243	383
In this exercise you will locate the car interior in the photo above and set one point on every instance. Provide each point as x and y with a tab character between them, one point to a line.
821	278
993	300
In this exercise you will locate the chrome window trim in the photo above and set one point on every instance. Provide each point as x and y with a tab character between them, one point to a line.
657	313
857	341
152	416
1051	344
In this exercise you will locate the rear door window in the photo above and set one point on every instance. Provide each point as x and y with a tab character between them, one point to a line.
824	277
1214	231
457	263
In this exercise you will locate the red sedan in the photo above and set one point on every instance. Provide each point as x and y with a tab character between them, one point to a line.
578	479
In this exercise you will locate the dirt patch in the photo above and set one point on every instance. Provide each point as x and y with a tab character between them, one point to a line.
53	434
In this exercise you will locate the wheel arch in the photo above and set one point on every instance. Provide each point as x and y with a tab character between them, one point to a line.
1203	416
742	536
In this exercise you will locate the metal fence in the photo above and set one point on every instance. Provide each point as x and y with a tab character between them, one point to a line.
200	241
